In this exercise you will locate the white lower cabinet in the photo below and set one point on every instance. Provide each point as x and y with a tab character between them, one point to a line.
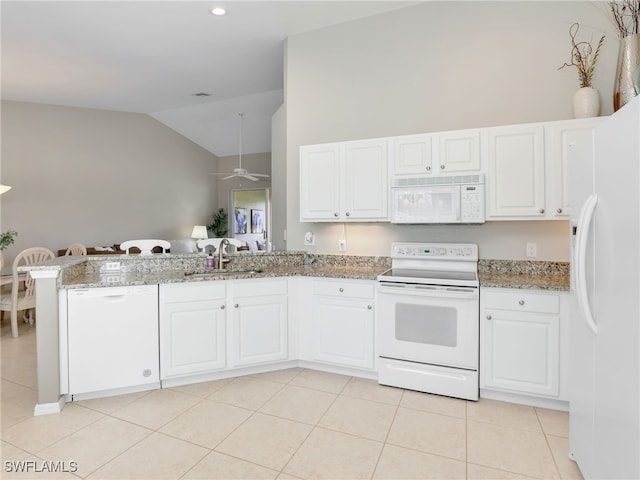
342	323
258	314
520	341
192	328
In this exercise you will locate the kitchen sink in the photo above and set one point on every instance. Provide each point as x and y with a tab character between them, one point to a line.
223	272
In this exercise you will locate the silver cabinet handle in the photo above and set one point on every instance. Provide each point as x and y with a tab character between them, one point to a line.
542	210
559	210
428	168
521	302
335	214
441	167
236	306
369	307
222	307
341	290
488	317
348	214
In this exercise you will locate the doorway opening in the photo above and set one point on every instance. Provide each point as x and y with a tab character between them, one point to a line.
250	217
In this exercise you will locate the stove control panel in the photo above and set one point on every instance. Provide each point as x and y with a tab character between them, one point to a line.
441	251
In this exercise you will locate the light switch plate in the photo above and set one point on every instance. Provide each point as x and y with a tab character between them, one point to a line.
309	239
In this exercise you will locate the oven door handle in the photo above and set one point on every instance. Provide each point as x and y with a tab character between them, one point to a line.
428	290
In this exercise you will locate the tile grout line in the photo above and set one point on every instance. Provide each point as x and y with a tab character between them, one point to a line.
546	441
386	437
313	427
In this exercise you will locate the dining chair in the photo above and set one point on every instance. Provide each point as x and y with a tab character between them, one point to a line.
146	246
22	299
76	249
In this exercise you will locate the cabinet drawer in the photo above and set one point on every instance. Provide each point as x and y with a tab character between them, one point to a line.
343	289
189	292
523	302
257	288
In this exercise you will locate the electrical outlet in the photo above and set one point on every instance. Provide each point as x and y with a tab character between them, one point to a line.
342	245
111	266
532	249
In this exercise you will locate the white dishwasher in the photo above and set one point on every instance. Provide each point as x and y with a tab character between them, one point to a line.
112	338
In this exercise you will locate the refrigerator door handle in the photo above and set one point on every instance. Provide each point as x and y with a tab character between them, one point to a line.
584	225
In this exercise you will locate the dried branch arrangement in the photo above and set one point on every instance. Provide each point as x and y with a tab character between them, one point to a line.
583	57
626	16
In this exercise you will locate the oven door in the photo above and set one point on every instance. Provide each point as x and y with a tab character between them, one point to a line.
436	325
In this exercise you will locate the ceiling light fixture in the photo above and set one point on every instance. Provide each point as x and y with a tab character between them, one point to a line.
218	11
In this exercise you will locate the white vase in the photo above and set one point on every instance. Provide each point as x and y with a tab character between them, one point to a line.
586	103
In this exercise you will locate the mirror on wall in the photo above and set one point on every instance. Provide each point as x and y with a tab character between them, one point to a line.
250	217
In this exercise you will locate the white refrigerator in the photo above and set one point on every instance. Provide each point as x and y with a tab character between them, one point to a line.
605	323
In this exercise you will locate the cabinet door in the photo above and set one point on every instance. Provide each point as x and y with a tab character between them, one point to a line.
342	331
521	351
412	154
192	337
259	330
320	182
365	187
561	137
459	151
516	172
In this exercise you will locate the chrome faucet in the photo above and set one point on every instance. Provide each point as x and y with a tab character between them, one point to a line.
223	242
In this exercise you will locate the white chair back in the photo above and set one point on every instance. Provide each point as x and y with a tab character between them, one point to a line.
23	299
146	246
76	249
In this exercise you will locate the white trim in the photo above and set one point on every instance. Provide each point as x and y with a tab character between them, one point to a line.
44	273
48	408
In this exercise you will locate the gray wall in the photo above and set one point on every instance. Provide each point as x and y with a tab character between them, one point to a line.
98	177
433	67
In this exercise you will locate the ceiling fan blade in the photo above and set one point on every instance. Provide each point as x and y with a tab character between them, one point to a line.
250	177
230	176
259	175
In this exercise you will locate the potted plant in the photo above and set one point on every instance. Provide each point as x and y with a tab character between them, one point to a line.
586	101
7	238
220	224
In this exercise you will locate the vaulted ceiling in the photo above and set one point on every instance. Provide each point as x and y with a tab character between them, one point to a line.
172	60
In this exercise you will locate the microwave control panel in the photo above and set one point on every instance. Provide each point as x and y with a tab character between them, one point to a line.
472	204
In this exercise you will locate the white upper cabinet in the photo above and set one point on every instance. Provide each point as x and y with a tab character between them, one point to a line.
528	168
560	138
459	151
436	153
412	154
344	182
515	178
320	182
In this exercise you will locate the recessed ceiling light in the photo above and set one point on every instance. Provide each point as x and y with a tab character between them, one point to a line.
218	11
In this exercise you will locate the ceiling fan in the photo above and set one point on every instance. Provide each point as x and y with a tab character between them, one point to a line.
242	172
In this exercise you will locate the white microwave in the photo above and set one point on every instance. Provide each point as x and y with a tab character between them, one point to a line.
450	199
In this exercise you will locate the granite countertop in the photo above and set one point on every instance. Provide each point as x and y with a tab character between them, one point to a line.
521	280
105	279
166	268
535	275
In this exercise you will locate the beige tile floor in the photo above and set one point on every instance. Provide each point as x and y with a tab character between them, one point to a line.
291	424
